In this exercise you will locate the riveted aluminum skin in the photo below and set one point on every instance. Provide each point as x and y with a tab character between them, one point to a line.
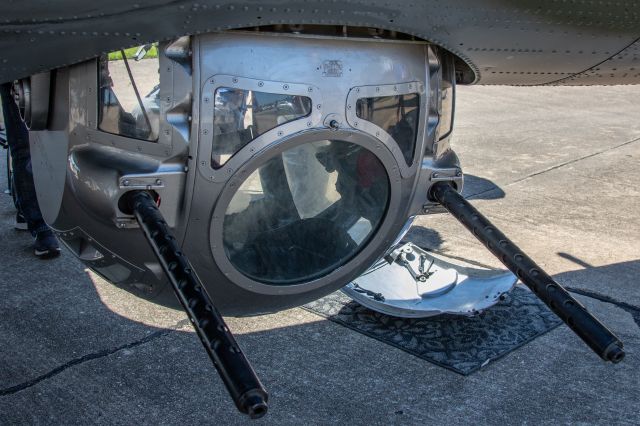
83	172
268	64
518	42
80	174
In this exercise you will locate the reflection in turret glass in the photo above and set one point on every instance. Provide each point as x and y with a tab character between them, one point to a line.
305	212
129	88
396	115
242	115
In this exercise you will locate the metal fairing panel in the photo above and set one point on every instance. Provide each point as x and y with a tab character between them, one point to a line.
271	55
522	42
84	172
79	172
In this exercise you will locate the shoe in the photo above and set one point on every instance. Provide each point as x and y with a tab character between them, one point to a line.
21	224
46	245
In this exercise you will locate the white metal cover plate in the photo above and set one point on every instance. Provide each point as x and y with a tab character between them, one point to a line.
418	284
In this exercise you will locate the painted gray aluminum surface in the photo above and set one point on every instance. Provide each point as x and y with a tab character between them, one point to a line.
82	172
267	58
520	42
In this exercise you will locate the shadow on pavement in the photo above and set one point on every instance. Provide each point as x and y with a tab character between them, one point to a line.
73	358
601	278
478	188
73	350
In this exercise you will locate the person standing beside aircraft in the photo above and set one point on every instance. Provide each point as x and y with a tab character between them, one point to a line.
45	245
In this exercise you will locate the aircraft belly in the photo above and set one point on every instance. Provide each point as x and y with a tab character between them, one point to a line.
503	42
622	68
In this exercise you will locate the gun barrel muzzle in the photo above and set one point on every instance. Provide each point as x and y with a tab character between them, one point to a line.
598	337
240	379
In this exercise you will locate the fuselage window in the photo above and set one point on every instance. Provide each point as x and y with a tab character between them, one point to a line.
129	83
242	115
397	115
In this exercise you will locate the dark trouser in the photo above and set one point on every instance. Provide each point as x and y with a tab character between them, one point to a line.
18	141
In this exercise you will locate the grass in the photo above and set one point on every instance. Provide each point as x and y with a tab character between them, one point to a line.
117	56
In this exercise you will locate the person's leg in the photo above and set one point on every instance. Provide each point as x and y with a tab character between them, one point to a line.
20	223
27	202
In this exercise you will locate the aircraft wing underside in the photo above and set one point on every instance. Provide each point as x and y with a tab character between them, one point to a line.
510	42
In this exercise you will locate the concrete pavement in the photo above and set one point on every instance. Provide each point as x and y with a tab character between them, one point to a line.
556	168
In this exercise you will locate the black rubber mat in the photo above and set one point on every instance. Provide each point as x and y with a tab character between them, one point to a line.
461	344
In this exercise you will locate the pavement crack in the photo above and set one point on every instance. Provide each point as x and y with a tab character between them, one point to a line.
92	356
557	166
575	160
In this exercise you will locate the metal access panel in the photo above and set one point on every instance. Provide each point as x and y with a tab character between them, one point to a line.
297	142
413	283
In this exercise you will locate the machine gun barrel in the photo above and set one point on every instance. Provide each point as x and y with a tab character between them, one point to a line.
237	374
598	337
